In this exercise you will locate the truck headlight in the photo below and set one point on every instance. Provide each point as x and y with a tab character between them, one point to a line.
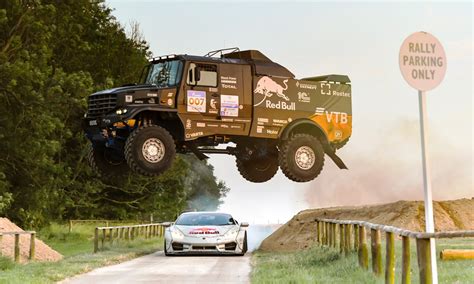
176	234
121	111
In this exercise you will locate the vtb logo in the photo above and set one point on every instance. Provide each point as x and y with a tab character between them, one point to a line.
332	116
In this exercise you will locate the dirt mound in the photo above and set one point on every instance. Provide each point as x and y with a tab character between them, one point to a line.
298	233
43	251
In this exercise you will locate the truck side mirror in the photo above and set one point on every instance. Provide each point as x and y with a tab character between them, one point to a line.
197	74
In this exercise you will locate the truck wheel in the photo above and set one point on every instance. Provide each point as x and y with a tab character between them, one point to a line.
301	157
105	162
150	150
259	169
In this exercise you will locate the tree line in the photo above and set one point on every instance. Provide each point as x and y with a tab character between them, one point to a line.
53	54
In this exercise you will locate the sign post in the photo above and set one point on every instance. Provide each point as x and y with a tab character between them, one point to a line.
423	65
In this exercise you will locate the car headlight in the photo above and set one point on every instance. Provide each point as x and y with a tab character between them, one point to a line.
231	234
176	234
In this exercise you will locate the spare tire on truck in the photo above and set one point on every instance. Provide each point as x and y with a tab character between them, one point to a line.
150	150
301	157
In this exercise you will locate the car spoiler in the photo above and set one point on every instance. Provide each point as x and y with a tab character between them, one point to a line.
329	78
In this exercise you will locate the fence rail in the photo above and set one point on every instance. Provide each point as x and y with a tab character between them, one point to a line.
353	236
106	222
16	248
116	233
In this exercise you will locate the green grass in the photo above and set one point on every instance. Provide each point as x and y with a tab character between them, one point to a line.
77	249
326	265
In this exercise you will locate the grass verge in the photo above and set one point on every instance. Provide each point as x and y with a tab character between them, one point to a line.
326	265
76	247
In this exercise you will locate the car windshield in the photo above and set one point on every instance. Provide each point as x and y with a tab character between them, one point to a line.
205	219
164	74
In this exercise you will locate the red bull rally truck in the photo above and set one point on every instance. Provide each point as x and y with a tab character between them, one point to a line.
192	104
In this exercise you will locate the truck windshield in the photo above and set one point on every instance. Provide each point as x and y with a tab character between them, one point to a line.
164	74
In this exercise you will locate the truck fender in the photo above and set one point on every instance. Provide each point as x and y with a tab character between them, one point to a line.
308	126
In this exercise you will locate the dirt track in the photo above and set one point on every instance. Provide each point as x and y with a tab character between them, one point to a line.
298	233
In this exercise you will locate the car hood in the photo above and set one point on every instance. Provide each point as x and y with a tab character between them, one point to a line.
205	230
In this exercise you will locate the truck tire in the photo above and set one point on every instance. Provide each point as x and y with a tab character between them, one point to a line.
259	169
150	150
301	157
104	162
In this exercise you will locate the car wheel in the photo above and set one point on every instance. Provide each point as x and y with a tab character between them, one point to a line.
301	157
106	162
244	246
150	150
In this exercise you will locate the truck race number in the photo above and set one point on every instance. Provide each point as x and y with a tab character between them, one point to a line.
196	101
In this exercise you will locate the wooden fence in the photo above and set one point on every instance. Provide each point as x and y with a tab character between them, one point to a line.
106	222
16	248
114	234
353	236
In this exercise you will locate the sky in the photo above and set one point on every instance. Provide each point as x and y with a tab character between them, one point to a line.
362	40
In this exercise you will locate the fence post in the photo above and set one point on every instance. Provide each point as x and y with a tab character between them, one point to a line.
356	237
376	252
111	236
347	239
32	246
390	258
96	239
317	232
424	260
406	275
17	247
104	234
1	237
341	238
363	249
132	234
70	226
330	234
334	235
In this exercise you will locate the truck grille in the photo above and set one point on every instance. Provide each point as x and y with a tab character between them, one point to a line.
101	104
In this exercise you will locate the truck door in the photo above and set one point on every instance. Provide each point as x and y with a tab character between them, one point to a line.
213	101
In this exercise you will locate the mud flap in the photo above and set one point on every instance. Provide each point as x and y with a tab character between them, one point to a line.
338	161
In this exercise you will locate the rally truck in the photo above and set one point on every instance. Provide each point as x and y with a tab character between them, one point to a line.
265	117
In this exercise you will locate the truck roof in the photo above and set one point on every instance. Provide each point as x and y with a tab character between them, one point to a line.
262	65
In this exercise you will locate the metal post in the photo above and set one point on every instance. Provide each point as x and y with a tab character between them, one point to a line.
429	219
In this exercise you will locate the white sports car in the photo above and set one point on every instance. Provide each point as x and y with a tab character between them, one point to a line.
206	233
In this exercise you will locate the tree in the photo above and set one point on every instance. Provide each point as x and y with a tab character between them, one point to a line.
53	54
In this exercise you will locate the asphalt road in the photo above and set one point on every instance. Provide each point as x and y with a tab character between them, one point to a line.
158	268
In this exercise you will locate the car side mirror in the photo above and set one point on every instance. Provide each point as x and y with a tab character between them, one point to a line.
244	224
166	224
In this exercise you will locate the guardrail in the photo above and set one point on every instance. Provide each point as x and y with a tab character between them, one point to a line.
102	234
353	236
16	252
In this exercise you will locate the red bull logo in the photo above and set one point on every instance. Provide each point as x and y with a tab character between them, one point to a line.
204	231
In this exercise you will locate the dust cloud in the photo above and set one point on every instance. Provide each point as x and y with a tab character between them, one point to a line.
387	167
257	233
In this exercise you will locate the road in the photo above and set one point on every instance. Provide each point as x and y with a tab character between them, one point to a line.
157	268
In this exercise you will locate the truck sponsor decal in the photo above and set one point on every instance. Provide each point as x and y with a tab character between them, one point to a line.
228	82
229	105
303	97
196	101
267	87
338	117
213	106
